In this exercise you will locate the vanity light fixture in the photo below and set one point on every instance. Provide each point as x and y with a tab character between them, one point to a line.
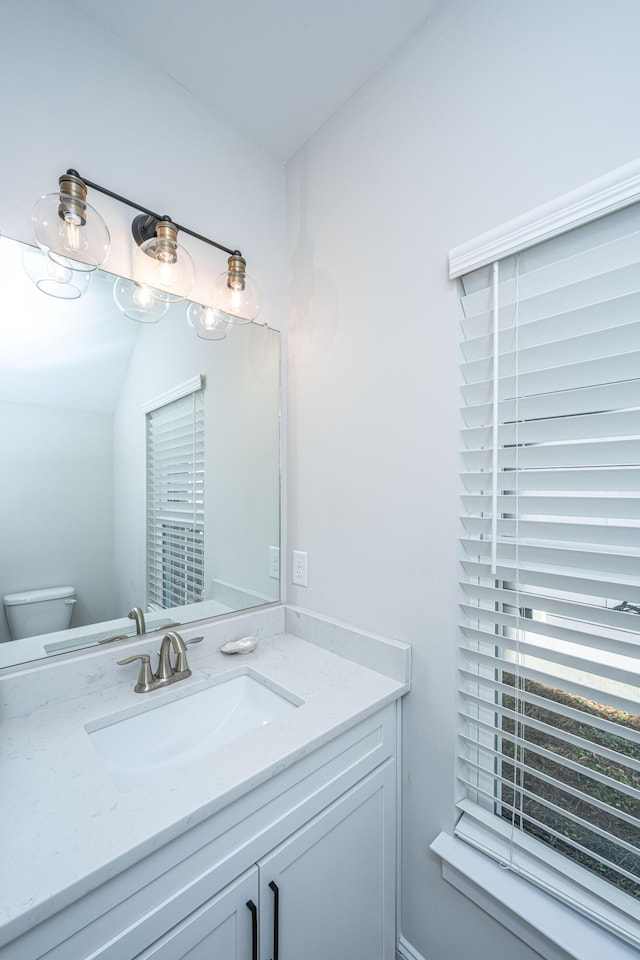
236	294
137	302
67	228
56	278
160	263
207	322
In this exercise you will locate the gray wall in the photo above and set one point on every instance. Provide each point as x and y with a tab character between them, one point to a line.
57	505
491	109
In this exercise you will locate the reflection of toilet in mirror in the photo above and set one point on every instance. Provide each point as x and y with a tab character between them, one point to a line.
34	612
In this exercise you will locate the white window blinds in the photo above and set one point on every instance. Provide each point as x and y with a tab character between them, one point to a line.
175	502
549	755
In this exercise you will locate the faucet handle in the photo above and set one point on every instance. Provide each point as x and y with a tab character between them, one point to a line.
116	636
181	657
145	677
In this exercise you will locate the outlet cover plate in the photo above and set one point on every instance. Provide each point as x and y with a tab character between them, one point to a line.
299	568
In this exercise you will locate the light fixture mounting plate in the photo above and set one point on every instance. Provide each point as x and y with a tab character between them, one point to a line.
144	227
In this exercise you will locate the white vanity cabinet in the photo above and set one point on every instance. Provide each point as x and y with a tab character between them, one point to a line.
322	893
313	848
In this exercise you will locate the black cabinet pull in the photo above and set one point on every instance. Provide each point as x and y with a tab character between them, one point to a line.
254	929
276	917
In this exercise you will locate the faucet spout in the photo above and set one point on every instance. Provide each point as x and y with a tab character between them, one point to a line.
137	615
165	668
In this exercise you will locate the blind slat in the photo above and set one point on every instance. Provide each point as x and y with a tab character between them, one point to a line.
616	506
592	426
554	655
588	557
588	400
598	615
587	373
584	319
620	452
574	582
556	531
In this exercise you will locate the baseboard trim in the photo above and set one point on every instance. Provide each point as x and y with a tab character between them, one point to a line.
405	951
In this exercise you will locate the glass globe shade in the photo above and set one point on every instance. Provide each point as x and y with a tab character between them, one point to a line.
207	322
55	278
67	229
137	301
166	267
239	301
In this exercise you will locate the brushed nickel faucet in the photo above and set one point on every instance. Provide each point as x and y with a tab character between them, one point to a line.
137	615
167	672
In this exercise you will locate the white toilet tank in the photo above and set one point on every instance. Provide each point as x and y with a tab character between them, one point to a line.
33	612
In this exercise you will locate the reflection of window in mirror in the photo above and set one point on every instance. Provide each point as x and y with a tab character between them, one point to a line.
175	499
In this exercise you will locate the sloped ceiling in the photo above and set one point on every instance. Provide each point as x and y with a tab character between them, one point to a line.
60	353
274	70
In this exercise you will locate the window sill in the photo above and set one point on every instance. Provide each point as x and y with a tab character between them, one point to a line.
541	921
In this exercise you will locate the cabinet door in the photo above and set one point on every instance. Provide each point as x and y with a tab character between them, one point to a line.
223	928
329	891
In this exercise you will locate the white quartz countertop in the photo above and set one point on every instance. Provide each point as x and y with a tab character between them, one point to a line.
65	827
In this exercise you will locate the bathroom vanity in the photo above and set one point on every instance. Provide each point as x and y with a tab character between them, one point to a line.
278	843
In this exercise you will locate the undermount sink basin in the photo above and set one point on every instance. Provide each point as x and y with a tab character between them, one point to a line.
144	746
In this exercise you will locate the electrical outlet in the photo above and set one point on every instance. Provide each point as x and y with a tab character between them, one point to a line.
299	565
274	562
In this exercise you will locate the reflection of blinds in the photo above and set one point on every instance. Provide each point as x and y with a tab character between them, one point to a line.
549	758
175	502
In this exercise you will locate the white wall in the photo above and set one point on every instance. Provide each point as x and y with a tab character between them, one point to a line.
491	109
57	506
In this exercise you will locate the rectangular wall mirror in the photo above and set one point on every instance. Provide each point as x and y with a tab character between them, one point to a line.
139	464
